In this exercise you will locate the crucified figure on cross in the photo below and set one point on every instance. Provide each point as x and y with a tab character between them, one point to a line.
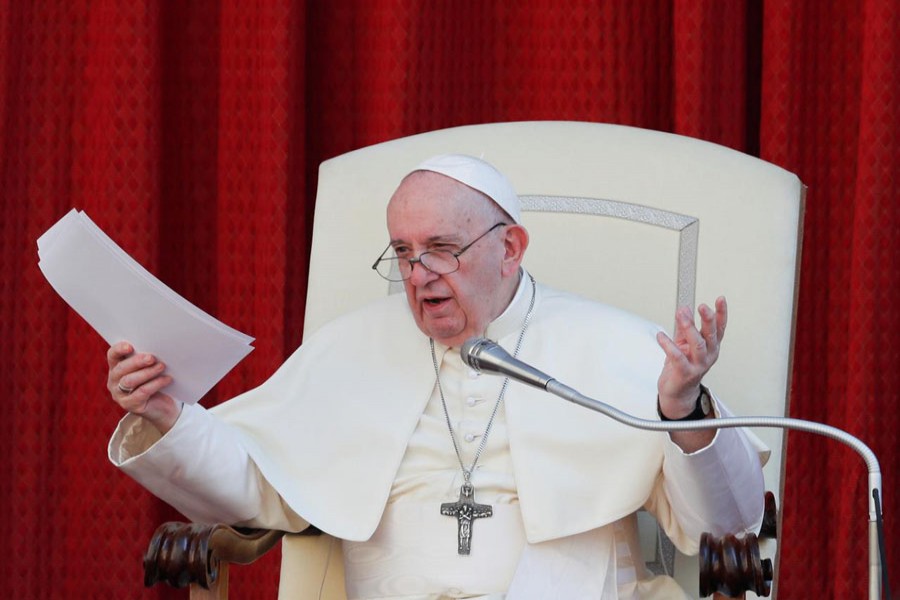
466	510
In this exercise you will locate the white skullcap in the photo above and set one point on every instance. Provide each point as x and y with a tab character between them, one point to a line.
478	175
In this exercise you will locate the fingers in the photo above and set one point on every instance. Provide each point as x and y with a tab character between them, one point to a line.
673	352
700	344
709	327
133	381
121	365
721	316
134	376
137	400
712	324
117	353
138	385
694	342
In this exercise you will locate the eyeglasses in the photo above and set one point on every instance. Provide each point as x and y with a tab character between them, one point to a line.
440	262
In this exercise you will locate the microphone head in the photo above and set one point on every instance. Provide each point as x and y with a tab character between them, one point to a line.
486	356
471	348
476	350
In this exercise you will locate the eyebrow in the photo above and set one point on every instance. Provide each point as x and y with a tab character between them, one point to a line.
447	238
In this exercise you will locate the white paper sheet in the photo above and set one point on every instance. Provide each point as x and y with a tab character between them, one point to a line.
122	301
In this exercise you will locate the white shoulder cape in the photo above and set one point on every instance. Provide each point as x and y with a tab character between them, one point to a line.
328	430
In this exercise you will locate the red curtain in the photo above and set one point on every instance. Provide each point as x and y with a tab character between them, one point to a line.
192	131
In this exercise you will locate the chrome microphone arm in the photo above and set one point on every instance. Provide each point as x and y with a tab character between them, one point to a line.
563	391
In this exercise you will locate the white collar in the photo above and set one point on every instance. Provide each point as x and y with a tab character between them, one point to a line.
510	320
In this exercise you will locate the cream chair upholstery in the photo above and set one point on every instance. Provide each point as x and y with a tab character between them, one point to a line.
635	218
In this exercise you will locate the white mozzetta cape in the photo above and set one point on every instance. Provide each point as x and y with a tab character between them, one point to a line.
328	430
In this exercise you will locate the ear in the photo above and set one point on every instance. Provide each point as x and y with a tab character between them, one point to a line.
515	242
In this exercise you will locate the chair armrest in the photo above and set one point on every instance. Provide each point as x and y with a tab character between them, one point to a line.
730	566
182	554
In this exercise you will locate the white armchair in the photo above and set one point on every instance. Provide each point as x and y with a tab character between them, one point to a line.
639	219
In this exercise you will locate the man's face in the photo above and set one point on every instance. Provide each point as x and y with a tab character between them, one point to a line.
432	212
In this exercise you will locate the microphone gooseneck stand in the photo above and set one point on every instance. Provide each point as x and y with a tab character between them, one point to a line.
486	356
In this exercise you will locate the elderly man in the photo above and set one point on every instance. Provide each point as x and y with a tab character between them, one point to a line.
442	482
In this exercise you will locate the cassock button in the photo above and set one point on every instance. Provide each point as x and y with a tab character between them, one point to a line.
472	401
470	437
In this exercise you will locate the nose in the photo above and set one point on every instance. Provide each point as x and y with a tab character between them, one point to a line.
419	275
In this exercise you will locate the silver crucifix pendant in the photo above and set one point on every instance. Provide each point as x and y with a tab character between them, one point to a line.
466	511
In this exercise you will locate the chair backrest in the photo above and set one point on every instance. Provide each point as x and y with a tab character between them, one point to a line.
635	218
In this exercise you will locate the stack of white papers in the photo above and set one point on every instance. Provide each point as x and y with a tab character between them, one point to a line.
122	301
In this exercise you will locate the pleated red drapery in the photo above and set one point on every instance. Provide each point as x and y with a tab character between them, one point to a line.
192	132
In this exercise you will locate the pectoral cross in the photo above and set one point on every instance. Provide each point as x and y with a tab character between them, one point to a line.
466	510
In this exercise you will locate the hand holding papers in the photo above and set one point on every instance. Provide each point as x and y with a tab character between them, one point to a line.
122	301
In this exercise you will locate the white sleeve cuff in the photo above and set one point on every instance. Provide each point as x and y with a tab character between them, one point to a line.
199	466
719	488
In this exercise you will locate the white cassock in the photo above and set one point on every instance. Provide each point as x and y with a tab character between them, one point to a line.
350	434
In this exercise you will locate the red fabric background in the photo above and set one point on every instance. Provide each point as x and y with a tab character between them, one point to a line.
192	131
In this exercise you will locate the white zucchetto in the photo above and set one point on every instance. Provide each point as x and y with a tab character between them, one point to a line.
478	175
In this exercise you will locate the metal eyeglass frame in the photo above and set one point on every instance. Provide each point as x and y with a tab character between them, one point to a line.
418	259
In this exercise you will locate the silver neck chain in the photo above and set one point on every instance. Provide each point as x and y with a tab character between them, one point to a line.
467	473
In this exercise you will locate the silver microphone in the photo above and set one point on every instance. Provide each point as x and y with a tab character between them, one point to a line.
486	356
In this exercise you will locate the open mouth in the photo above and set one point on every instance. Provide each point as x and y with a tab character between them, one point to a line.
435	301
